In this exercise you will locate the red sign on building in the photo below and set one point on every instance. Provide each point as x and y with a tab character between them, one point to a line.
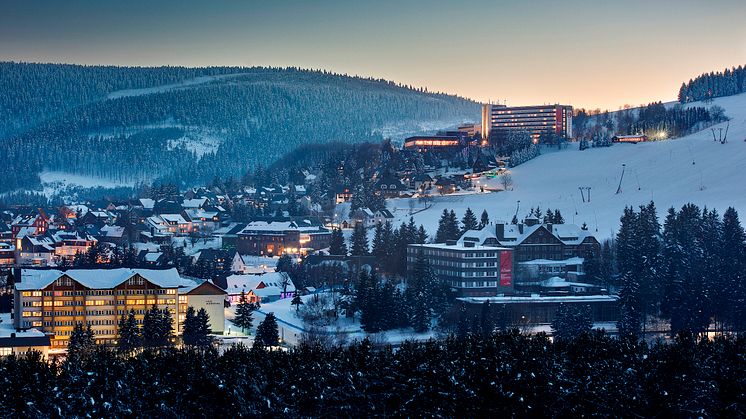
506	268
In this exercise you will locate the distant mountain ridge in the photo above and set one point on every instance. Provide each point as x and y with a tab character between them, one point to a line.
190	124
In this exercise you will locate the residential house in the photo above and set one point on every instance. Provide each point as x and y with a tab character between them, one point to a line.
252	265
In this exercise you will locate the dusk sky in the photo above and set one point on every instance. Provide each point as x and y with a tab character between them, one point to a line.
588	54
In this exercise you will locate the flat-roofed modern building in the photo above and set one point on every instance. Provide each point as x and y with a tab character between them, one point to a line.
473	270
538	121
54	301
425	143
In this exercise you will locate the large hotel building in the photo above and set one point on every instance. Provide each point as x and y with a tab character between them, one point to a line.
499	120
473	270
54	301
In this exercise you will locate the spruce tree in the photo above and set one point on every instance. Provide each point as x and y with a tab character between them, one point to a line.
337	244
379	249
441	235
284	263
484	221
359	241
452	226
558	219
421	235
549	217
267	331
297	301
630	317
82	342
196	329
129	337
571	320
157	328
486	319
244	318
469	221
733	275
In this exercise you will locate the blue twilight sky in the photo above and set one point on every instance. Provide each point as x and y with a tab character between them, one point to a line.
586	53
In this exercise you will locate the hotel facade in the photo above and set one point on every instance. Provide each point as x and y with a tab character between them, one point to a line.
538	121
54	301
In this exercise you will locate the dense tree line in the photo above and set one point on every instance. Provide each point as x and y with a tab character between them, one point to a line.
252	118
730	81
689	272
503	374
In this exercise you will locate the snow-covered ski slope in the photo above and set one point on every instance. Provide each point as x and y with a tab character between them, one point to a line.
671	173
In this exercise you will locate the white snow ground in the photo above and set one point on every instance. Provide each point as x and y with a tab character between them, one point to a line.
672	173
55	181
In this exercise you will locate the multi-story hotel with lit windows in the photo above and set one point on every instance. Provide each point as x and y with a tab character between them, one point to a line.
538	121
54	301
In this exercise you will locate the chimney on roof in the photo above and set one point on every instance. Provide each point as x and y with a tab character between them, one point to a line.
500	231
549	227
520	228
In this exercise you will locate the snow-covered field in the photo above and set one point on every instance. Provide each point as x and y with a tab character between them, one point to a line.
404	129
53	182
164	88
671	173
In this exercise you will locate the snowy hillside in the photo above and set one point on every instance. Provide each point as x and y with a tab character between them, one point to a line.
672	173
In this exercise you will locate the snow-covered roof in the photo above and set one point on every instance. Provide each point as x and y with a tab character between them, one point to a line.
26	231
268	291
153	257
557	282
111	231
565	262
194	203
245	283
277	226
541	299
173	218
147	203
34	279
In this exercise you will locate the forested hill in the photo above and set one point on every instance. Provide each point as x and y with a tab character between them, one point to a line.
190	124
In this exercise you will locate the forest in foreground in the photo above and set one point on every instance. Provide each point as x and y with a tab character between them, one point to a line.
503	374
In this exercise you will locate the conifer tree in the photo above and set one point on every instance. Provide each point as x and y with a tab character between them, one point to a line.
284	263
244	318
337	244
196	329
630	317
469	221
421	237
452	226
549	217
359	241
733	275
297	301
558	219
129	337
267	331
379	249
82	342
572	320
157	328
486	319
441	235
484	220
